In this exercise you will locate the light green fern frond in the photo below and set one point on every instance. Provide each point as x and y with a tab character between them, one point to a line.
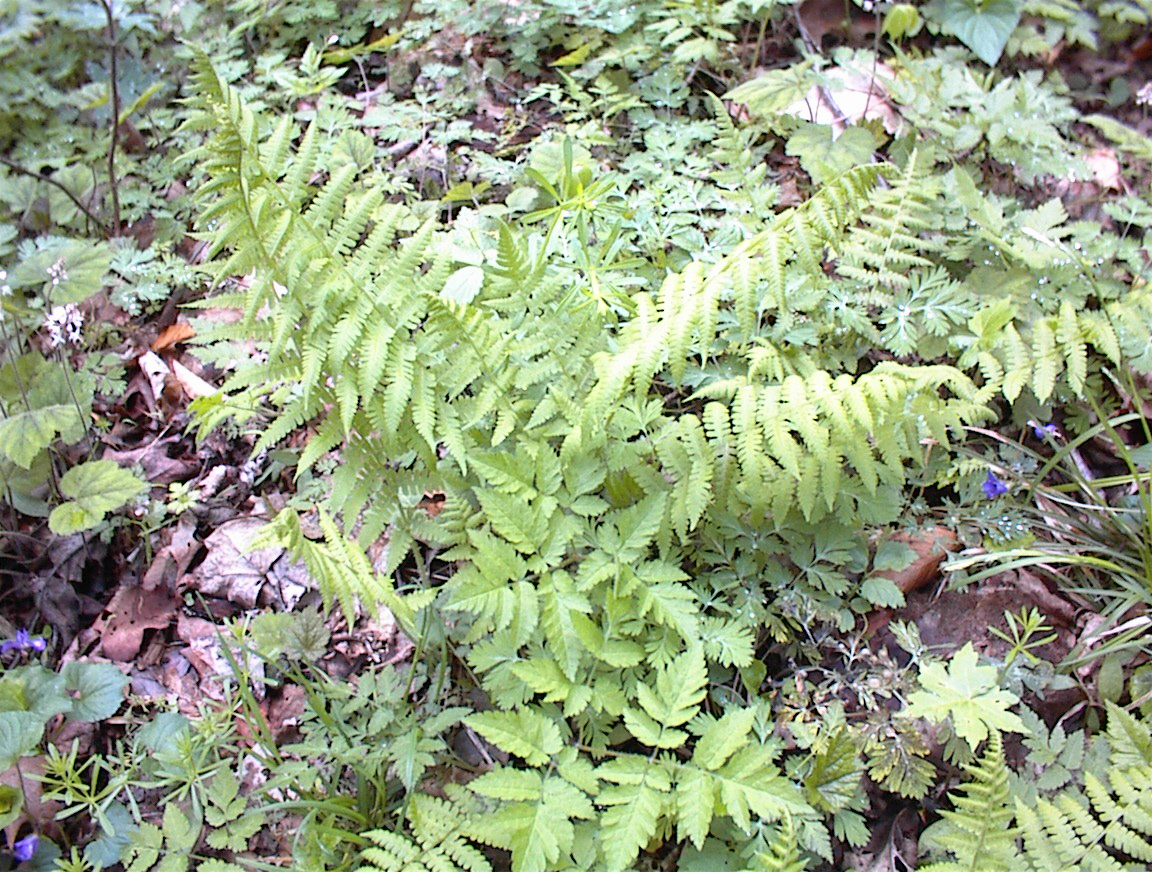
438	843
1110	826
977	832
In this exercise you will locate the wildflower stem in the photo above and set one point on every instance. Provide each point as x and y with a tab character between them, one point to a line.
76	201
114	88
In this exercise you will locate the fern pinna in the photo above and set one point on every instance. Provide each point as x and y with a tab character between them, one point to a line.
1104	824
586	464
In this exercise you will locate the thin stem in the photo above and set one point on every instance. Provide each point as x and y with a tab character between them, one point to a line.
115	137
15	167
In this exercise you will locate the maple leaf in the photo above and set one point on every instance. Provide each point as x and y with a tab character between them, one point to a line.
968	693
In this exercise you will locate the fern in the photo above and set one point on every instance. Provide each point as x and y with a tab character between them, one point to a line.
1111	822
438	842
978	831
630	493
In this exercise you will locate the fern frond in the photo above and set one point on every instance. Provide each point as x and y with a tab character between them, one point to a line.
438	842
978	830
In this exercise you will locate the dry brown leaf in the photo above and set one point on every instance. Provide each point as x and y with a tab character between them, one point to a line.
171	335
173	559
931	545
236	573
132	611
194	387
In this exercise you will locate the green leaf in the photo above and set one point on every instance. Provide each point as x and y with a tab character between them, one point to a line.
968	694
882	593
982	25
179	833
69	271
25	434
96	487
775	90
526	733
901	20
97	690
20	734
11	804
116	831
679	690
537	828
724	738
630	820
824	155
463	285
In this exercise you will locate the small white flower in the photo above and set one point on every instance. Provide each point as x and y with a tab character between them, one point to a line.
57	272
64	325
1144	95
5	288
251	468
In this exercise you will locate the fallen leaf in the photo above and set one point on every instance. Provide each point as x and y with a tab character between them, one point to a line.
171	335
194	387
132	611
235	572
154	367
215	669
931	545
1105	168
173	559
155	461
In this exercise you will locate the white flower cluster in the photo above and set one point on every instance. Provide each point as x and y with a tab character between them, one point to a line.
1144	95
64	325
57	272
5	288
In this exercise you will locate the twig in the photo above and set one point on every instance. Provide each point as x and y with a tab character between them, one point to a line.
15	167
115	86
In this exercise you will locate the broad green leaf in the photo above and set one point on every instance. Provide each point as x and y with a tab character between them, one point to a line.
20	734
45	691
116	830
968	694
11	804
68	272
882	593
901	20
463	285
982	25
824	155
97	690
24	435
96	488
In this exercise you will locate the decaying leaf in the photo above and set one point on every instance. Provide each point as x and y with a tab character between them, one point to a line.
132	611
236	573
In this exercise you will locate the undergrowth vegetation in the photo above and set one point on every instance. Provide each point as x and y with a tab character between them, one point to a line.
626	371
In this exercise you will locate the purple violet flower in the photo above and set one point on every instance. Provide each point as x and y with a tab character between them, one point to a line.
993	487
23	642
1044	431
25	849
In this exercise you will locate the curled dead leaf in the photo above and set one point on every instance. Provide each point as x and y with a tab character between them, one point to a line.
932	545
